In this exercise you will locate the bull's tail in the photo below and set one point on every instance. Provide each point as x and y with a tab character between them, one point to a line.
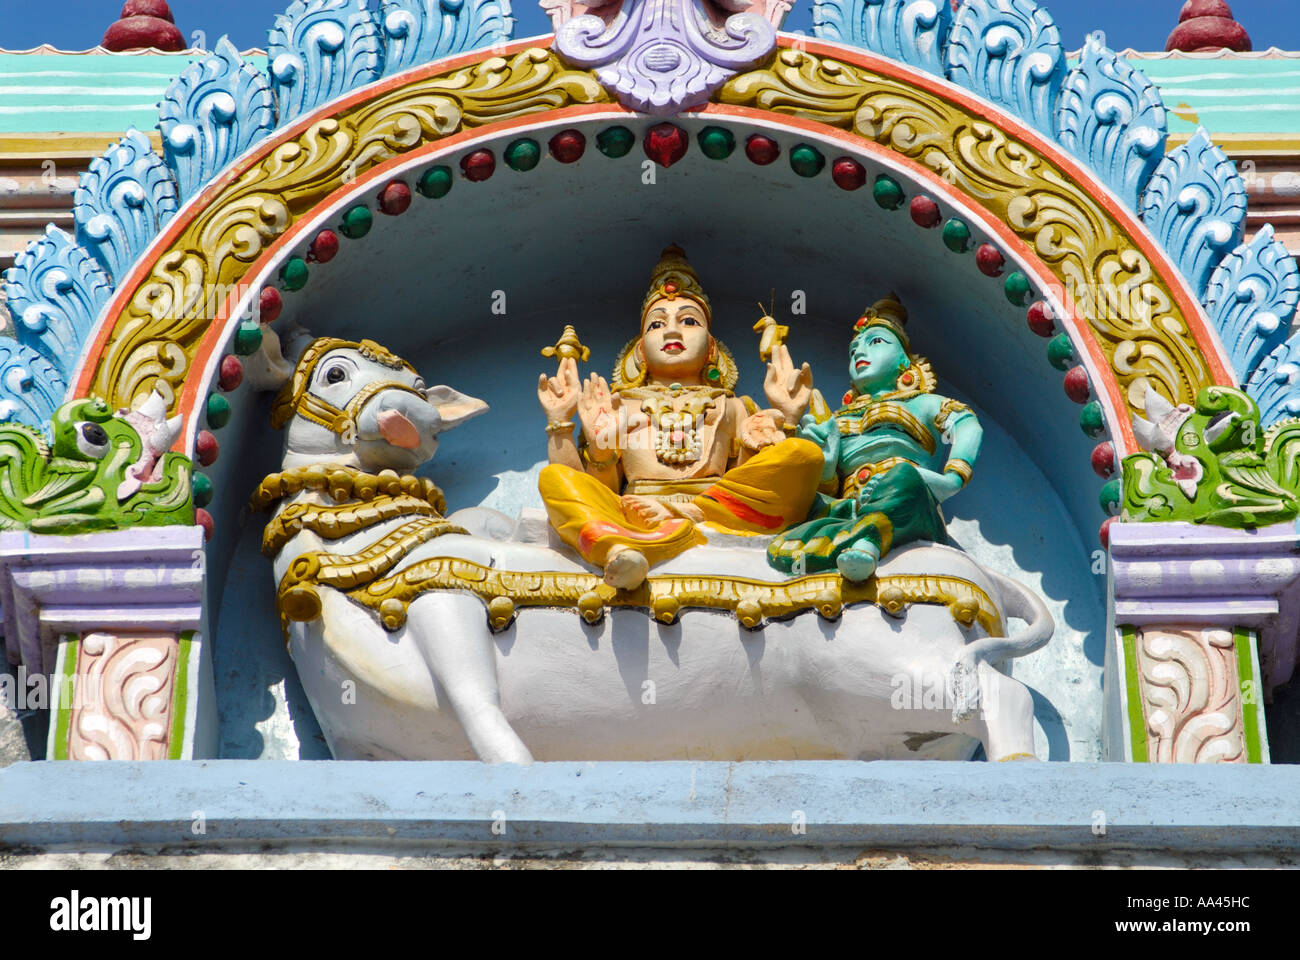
1017	601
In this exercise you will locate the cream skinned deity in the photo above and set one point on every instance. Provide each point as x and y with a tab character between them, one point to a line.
667	451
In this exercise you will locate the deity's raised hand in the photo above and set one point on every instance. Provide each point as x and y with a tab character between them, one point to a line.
761	430
788	389
597	409
559	394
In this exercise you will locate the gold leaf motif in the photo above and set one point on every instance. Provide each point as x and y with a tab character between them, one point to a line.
156	336
1130	308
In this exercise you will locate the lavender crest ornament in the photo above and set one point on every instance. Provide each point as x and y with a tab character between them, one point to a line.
665	56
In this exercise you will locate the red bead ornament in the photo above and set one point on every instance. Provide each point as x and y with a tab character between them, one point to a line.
269	305
1076	385
204	519
848	174
925	212
761	150
395	199
670	287
206	448
1103	534
1041	319
1103	459
567	145
665	144
863	475
906	379
324	248
862	322
478	166
990	260
848	397
232	373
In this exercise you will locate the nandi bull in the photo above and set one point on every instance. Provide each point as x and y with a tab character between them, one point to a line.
419	637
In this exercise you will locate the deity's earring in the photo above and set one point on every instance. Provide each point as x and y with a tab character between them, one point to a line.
850	395
906	377
712	374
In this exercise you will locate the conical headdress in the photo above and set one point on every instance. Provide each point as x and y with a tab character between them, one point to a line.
887	312
674	277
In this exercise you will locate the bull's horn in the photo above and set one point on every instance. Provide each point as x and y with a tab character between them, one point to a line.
269	368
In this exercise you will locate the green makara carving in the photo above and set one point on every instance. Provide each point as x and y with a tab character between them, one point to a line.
104	471
1212	463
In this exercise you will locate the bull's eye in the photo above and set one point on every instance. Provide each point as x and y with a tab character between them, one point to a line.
335	375
92	440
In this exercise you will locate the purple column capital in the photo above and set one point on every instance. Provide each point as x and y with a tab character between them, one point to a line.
1201	576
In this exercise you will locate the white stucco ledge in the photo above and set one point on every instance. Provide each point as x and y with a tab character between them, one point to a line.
912	806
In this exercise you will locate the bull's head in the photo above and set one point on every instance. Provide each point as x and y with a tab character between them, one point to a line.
356	404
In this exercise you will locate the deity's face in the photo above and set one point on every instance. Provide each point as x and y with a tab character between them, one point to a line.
876	358
675	339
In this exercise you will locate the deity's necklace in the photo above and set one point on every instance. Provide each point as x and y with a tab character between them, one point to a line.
677	440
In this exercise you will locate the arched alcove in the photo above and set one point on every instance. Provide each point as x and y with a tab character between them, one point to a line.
471	285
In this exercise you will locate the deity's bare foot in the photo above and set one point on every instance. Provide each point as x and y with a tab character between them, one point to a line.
858	565
626	569
647	510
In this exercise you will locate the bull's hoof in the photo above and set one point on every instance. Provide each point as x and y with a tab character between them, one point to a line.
857	565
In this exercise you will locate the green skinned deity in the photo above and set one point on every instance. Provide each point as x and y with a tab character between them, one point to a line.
893	453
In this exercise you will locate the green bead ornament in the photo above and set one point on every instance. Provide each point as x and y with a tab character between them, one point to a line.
248	338
202	488
436	183
293	275
1109	499
1018	290
806	160
218	411
716	143
956	236
523	154
615	142
1060	352
357	222
887	192
1090	419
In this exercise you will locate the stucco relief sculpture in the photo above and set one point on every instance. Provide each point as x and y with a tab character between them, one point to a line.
670	447
884	462
479	635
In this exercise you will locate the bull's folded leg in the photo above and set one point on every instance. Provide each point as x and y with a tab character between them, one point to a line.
452	634
1007	717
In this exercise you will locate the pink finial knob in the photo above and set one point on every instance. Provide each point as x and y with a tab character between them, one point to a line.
144	24
1208	25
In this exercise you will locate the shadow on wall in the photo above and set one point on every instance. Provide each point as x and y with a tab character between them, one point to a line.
1283	716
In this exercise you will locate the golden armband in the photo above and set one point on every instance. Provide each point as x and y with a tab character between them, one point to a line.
961	468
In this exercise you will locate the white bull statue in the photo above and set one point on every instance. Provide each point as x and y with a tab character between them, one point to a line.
419	637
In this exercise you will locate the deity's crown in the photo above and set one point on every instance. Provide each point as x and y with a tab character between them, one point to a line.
674	277
888	312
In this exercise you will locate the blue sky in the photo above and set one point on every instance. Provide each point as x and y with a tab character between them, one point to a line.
1143	24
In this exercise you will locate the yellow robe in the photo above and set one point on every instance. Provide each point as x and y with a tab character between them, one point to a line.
771	491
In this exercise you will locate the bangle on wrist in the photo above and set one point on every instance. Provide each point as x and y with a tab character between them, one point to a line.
559	426
961	468
598	464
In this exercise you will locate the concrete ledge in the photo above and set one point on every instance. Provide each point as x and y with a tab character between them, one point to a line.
911	806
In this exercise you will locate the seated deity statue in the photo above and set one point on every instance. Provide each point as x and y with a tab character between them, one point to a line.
885	466
667	451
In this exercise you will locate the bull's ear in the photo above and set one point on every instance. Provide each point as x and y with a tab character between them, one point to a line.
453	406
